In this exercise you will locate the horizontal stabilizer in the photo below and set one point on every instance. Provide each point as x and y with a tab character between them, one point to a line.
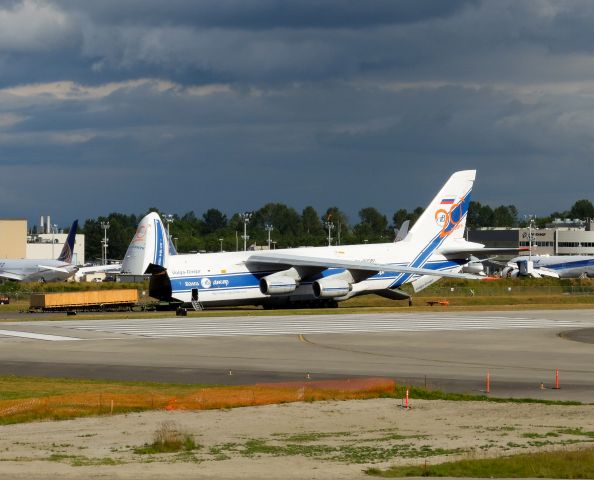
422	283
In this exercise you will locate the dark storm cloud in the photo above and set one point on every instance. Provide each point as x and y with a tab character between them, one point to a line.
263	14
231	104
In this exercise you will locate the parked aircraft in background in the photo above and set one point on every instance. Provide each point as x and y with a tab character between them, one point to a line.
26	270
401	233
109	269
433	248
557	266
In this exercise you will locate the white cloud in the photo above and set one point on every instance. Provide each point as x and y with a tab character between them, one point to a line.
34	26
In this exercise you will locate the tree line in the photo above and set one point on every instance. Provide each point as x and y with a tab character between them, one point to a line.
213	230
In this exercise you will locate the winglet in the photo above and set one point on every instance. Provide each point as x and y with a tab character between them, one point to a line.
68	249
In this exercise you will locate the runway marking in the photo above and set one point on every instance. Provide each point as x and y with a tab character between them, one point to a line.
296	325
36	336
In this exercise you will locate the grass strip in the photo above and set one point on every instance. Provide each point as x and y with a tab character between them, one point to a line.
428	394
558	464
14	387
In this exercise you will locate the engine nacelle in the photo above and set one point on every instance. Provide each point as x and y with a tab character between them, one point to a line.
277	285
331	288
476	268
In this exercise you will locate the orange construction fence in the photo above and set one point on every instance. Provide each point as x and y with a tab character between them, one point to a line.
93	403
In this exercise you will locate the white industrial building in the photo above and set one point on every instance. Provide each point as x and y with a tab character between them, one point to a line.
561	237
44	242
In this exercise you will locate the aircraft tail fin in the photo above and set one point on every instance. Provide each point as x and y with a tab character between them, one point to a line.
68	248
445	217
402	232
150	245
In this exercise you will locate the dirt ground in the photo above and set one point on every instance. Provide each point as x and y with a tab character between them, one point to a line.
290	441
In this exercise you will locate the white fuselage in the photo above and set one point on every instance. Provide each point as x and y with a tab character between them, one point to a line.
28	270
226	278
565	266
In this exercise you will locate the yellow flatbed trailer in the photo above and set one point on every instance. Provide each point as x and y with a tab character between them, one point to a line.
121	299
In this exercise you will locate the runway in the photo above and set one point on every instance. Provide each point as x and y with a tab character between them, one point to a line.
452	351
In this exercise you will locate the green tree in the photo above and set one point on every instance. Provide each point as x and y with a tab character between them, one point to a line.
399	217
372	227
312	230
214	220
341	231
582	209
504	216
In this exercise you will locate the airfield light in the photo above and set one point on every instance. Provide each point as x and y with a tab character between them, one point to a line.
245	217
104	226
221	241
269	228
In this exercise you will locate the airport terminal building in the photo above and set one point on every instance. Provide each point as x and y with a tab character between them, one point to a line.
561	237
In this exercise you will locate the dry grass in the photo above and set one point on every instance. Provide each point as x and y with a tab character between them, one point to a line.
101	401
169	438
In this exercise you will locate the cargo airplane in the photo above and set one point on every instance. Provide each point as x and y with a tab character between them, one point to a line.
50	270
313	276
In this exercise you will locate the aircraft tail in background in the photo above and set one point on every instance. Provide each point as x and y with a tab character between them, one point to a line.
68	249
150	245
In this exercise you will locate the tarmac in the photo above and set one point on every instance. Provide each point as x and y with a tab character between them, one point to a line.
520	351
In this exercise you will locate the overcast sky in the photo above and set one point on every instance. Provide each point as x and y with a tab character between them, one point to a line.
122	105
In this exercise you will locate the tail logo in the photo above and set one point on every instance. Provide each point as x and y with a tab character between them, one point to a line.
449	221
140	233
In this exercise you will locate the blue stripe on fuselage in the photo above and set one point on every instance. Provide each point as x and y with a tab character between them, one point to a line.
567	265
243	280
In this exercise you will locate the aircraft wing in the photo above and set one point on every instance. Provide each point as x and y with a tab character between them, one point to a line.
12	276
473	251
366	268
110	268
546	272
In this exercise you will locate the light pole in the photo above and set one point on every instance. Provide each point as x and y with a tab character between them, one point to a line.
54	229
221	241
329	225
530	222
104	226
168	220
269	228
246	218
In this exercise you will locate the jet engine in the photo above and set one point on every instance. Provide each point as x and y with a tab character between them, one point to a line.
474	266
277	285
331	288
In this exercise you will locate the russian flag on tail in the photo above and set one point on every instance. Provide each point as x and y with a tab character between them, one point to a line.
447	201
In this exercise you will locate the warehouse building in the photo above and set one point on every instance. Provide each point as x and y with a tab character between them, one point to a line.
561	237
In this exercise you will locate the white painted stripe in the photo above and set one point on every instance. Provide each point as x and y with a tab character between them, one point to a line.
264	326
36	336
